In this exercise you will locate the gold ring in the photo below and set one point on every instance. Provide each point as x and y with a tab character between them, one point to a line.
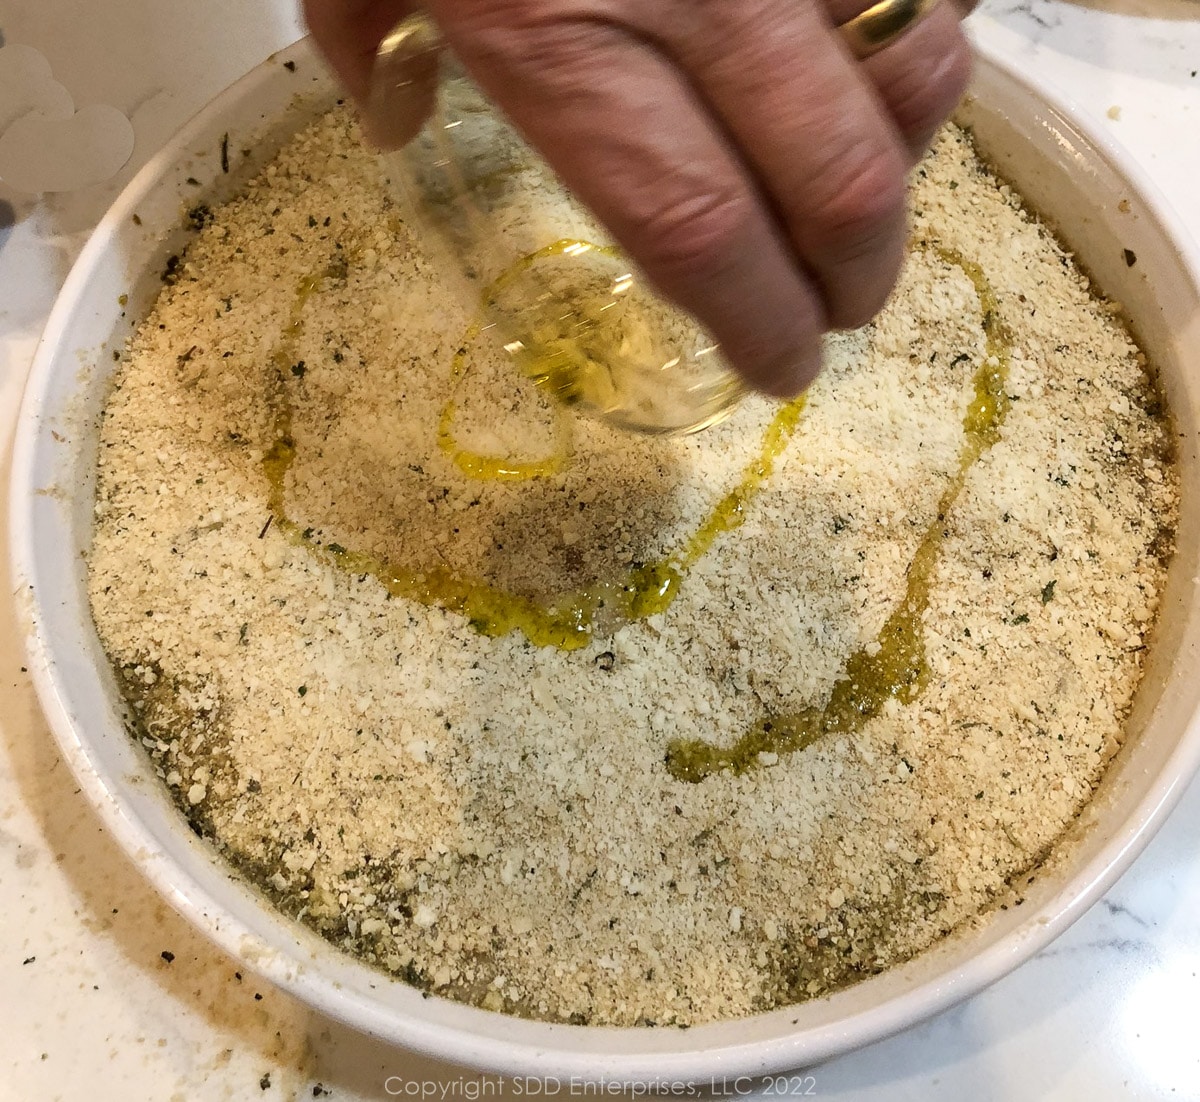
881	24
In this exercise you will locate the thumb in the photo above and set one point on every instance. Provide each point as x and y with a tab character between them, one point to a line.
349	34
403	83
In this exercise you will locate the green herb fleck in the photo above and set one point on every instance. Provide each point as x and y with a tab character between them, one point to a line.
200	216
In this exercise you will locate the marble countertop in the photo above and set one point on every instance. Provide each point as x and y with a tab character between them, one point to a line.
107	994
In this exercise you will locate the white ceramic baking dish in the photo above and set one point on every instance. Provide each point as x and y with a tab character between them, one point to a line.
1101	205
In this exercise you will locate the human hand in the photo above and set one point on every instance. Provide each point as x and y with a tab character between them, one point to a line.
738	151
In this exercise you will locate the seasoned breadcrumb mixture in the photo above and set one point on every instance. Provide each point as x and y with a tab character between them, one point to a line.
495	821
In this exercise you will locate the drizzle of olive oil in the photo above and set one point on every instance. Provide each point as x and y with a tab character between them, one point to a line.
565	352
496	467
570	621
895	666
730	511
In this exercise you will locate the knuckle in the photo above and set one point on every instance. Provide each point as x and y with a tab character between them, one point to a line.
481	14
856	233
923	92
859	197
693	236
542	42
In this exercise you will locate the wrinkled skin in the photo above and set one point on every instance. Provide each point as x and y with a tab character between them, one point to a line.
753	167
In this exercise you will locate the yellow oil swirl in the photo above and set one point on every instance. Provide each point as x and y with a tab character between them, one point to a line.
894	667
497	468
559	354
570	621
730	511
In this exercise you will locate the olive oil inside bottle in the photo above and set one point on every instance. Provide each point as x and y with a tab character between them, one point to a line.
588	331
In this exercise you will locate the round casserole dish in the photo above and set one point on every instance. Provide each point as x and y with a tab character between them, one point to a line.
1067	171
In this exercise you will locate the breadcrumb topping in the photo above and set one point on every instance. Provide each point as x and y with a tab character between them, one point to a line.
495	821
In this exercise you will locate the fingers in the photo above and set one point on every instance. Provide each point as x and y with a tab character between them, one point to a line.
816	136
748	163
922	75
628	135
348	33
